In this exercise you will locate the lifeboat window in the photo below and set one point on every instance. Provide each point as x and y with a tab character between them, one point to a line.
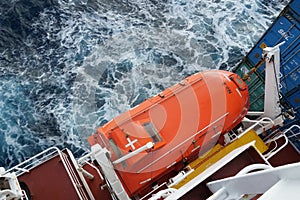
239	82
115	148
152	131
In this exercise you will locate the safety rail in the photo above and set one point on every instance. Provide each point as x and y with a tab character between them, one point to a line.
85	160
290	130
230	136
34	161
286	134
276	149
261	123
75	179
95	168
234	135
70	166
290	133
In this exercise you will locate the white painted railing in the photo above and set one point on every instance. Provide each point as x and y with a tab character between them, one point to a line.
262	123
290	132
83	192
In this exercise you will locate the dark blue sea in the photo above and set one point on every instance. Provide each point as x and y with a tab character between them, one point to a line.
69	66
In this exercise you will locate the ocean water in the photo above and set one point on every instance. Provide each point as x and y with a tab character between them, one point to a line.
69	66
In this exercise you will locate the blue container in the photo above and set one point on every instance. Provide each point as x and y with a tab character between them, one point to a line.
257	94
285	28
255	84
294	100
290	72
244	68
295	5
282	30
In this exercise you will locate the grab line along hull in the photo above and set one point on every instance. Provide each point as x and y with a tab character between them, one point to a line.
183	122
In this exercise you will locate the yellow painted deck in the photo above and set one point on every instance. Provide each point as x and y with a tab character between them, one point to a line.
218	152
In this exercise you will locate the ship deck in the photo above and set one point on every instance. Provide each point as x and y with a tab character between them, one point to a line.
55	174
58	178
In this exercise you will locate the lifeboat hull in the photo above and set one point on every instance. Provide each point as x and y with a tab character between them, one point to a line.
183	122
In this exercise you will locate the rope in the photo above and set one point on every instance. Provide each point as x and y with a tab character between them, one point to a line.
247	76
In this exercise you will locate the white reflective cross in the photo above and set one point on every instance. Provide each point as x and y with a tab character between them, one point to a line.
130	143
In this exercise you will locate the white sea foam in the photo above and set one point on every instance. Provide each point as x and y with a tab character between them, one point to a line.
97	59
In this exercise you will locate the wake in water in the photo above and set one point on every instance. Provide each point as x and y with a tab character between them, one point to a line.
67	67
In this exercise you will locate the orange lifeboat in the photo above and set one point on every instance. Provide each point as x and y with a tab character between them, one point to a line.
183	122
